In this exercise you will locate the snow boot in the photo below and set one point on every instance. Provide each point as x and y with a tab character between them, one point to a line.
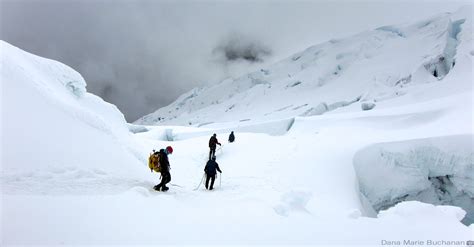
165	189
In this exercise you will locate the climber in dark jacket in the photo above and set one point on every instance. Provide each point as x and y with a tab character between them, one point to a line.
231	137
210	170
164	169
212	145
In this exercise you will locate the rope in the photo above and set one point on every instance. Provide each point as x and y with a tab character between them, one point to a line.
202	179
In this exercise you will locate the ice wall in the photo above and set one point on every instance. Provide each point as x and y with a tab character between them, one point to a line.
436	170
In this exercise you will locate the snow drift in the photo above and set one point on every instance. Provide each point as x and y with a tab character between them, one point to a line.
53	129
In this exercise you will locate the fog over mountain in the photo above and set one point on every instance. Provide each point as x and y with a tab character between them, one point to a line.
142	55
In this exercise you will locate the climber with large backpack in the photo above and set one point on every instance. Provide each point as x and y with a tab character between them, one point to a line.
213	142
158	162
210	171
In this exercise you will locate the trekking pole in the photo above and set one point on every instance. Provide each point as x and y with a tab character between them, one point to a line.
199	185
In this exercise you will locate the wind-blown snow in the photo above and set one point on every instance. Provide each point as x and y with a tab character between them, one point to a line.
293	175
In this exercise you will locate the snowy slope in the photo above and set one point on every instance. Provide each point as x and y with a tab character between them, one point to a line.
373	66
53	128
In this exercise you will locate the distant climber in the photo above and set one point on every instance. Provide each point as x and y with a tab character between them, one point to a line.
164	168
213	142
231	137
210	170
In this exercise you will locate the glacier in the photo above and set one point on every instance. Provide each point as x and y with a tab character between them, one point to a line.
306	167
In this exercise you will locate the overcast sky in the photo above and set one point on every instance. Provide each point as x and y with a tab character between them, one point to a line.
141	55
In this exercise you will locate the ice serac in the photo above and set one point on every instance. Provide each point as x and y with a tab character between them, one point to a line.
348	74
50	122
437	170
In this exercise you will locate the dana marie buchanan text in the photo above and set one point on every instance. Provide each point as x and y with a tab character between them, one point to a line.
427	242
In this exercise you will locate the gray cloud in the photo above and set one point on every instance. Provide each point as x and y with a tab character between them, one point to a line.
141	55
236	47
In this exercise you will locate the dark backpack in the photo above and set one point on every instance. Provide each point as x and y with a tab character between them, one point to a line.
210	168
212	142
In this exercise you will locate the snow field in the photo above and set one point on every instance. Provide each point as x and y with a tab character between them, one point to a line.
303	184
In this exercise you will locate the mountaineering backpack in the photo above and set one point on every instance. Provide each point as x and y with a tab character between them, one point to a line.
154	161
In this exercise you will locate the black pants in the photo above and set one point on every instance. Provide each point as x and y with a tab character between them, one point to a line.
165	178
212	152
212	178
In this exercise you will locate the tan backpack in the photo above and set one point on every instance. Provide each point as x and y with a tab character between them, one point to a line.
154	161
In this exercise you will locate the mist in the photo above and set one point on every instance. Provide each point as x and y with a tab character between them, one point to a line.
142	55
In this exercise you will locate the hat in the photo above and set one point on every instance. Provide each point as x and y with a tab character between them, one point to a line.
169	149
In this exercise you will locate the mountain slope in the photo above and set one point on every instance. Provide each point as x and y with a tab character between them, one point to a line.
339	75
